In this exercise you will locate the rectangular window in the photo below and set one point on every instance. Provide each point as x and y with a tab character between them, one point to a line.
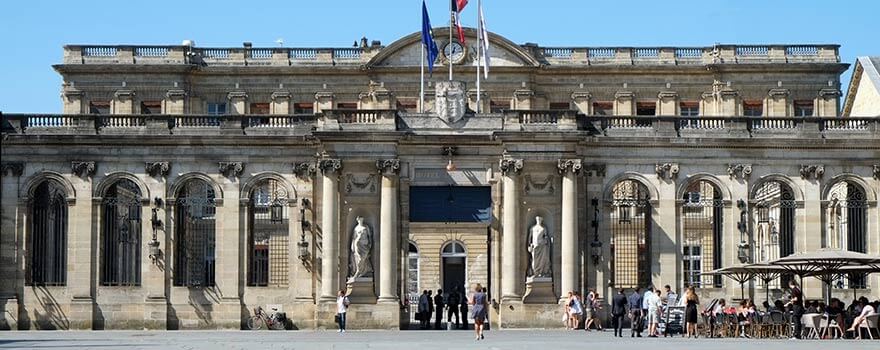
346	105
304	108
151	107
259	108
753	108
410	106
99	107
689	109
693	261
560	106
497	107
646	108
603	108
803	108
218	108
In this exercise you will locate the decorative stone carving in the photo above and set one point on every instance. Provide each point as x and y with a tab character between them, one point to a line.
280	95
742	171
83	169
450	100
510	166
11	168
778	93
569	165
304	169
231	169
666	170
581	95
877	172
365	185
175	94
157	169
539	249
595	169
829	93
237	95
330	165
814	171
388	166
360	264
123	95
533	187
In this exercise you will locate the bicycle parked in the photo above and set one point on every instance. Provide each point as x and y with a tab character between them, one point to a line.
276	320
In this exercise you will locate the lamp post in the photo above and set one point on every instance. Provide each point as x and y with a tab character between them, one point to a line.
742	225
156	224
303	245
596	244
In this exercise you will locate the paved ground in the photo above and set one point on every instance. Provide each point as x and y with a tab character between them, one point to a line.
410	340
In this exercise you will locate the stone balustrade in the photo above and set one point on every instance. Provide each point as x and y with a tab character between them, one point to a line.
349	120
281	56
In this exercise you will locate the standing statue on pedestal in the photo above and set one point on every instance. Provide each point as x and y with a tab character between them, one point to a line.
360	264
539	247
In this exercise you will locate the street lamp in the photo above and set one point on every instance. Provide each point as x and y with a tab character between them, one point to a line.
742	225
156	223
303	245
596	244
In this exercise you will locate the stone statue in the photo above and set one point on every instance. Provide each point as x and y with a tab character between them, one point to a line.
361	247
539	247
833	218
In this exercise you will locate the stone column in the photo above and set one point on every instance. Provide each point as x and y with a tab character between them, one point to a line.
581	100
826	104
389	168
776	103
569	169
510	276
10	177
79	246
280	102
667	103
330	169
624	103
324	100
73	100
153	275
123	102
175	101
237	102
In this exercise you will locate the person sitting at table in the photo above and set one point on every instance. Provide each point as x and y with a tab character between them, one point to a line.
834	311
812	308
862	318
745	314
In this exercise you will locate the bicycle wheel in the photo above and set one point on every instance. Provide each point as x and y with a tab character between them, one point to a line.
255	323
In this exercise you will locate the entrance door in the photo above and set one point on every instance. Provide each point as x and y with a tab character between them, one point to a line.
454	259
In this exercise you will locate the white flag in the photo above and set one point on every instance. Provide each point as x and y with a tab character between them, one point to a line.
484	40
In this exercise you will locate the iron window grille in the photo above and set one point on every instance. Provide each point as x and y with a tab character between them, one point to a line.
121	235
268	241
48	236
630	234
195	235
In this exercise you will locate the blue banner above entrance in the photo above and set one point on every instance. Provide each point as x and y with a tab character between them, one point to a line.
450	204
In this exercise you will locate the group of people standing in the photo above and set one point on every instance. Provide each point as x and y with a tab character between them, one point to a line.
456	305
577	308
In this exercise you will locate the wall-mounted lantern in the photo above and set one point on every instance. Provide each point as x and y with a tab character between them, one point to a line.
596	244
303	245
156	223
743	248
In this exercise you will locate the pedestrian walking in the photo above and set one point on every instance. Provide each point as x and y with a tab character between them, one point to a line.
480	303
422	315
796	305
593	307
618	310
655	307
438	307
635	313
342	304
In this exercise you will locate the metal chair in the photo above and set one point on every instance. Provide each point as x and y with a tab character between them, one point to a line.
871	323
811	322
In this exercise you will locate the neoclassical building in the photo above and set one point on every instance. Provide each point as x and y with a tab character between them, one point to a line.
184	186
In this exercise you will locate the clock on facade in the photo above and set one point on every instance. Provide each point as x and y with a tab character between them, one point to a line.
454	52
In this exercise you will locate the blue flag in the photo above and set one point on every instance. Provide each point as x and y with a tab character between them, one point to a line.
428	39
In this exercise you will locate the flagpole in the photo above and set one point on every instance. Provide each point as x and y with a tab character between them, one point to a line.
479	48
422	81
451	24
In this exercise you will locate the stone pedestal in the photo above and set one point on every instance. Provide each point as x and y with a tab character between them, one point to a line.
156	312
361	291
539	290
8	313
81	313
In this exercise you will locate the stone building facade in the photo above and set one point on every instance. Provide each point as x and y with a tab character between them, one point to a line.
183	186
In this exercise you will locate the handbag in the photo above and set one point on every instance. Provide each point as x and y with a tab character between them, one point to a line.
336	318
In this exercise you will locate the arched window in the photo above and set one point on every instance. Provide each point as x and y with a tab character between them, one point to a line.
701	214
121	235
412	271
48	236
195	235
773	222
268	243
846	224
630	234
452	250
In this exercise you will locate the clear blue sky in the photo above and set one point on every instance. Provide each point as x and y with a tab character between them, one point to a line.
33	31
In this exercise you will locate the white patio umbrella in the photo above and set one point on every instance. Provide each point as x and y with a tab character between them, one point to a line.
824	263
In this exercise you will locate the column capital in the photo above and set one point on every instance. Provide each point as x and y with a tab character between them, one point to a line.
666	170
564	166
388	167
739	170
812	170
83	169
304	169
231	169
17	168
330	165
510	166
157	169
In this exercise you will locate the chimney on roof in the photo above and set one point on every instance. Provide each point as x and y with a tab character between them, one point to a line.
247	44
364	42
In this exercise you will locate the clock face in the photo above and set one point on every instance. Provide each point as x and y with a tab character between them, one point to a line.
454	52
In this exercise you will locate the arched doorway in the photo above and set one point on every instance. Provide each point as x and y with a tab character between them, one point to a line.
453	258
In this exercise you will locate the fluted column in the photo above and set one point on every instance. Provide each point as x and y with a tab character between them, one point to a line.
569	169
389	169
330	169
510	276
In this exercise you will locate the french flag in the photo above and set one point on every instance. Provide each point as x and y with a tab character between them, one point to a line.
457	6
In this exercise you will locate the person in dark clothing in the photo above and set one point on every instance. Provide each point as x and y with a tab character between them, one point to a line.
430	309
635	313
438	306
464	311
423	307
796	303
452	307
618	309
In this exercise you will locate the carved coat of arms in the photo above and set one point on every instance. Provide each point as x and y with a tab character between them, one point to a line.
450	100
